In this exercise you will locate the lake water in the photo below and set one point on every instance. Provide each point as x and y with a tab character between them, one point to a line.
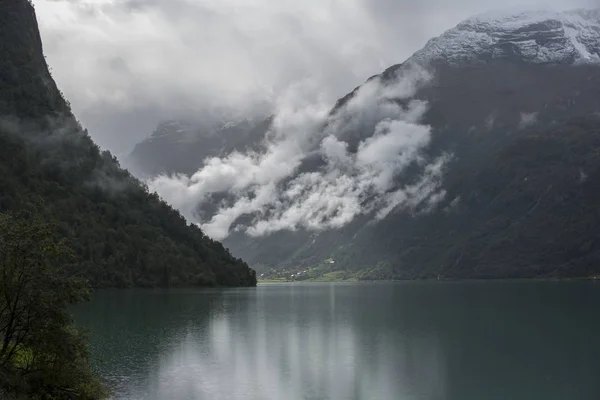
389	341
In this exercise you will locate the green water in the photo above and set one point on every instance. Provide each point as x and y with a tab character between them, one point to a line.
390	341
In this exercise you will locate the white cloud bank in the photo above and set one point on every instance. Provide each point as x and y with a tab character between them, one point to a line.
125	65
269	187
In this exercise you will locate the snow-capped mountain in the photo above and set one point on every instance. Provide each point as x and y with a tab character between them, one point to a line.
537	37
515	98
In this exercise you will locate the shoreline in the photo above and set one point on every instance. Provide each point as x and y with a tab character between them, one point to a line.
591	279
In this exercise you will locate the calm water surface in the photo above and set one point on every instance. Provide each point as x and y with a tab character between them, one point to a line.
389	341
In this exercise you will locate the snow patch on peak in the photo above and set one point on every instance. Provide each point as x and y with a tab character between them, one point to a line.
584	53
541	36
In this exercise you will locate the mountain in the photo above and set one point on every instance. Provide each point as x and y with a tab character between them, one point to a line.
532	37
514	104
122	234
181	146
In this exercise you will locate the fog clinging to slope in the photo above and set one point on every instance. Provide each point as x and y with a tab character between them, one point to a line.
125	65
268	186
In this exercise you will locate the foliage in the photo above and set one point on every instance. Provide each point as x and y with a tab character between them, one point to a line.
42	355
122	234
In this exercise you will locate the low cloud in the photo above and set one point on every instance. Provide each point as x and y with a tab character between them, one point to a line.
271	190
490	121
125	65
528	119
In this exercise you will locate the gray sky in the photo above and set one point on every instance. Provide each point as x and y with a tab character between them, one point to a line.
126	64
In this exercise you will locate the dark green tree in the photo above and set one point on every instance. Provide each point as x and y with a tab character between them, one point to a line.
42	354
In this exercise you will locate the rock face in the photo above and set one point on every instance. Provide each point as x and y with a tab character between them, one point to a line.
537	37
515	99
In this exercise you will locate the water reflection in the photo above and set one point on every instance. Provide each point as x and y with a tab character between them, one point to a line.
406	341
253	350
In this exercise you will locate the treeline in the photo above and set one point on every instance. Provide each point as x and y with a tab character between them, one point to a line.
122	234
70	219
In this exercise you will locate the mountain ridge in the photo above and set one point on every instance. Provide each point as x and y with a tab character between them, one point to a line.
478	112
122	235
542	36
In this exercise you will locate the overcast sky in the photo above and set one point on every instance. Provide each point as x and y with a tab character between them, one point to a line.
126	64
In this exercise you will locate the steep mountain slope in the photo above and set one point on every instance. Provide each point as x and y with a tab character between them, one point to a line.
181	147
515	99
476	109
123	235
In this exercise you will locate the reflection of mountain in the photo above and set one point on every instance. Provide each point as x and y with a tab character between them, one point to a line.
297	362
515	99
265	345
451	341
129	328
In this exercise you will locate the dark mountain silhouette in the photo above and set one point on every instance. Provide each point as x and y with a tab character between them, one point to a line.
123	235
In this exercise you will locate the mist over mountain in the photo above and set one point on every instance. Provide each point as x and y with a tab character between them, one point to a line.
128	65
470	159
122	234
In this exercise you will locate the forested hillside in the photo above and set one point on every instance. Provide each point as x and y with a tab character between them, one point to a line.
122	234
